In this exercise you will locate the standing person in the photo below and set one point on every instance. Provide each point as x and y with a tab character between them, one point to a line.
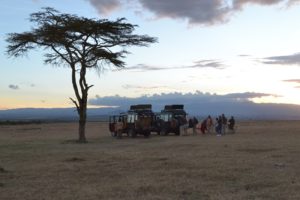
191	122
203	127
195	122
224	124
231	123
209	124
119	128
183	125
219	126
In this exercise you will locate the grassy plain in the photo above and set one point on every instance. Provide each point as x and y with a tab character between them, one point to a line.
42	162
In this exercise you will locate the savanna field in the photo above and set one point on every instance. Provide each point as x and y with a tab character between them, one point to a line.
43	162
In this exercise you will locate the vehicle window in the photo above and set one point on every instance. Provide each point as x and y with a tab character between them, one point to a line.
166	117
131	118
124	119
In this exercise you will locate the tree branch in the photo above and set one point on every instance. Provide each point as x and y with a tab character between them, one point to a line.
74	83
76	104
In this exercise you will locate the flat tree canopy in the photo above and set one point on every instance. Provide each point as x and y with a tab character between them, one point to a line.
79	43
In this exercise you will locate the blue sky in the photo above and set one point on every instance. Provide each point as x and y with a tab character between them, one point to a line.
205	47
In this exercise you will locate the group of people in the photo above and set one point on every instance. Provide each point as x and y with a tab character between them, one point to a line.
222	124
208	125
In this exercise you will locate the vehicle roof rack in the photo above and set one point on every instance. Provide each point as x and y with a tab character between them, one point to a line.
174	107
140	107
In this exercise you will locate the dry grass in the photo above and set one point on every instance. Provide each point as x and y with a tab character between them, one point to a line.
42	161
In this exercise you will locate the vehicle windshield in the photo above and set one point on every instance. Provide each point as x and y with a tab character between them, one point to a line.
166	117
179	116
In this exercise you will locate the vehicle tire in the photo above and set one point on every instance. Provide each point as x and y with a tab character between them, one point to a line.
163	132
177	131
132	133
147	134
158	127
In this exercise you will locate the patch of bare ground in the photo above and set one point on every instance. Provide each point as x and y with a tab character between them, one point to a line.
256	150
43	161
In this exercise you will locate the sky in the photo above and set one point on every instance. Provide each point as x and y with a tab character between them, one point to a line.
248	50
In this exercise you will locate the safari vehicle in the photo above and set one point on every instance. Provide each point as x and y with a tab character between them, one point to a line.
170	119
137	121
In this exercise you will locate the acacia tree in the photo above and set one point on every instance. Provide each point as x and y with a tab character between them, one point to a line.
79	43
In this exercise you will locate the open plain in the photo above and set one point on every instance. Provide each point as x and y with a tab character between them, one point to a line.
42	162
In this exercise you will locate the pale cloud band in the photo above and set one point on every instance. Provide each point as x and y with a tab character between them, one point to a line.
215	64
204	12
292	80
293	59
295	81
128	86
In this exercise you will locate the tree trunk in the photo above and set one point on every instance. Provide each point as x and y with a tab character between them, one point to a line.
82	138
82	117
82	122
81	103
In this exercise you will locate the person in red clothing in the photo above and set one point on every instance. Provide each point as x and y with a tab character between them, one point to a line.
203	127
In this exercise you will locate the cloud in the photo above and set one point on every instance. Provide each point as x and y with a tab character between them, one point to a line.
143	68
203	12
292	80
238	4
207	12
208	64
105	7
159	100
203	104
297	81
198	64
293	2
194	11
13	87
127	86
293	59
244	55
248	95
